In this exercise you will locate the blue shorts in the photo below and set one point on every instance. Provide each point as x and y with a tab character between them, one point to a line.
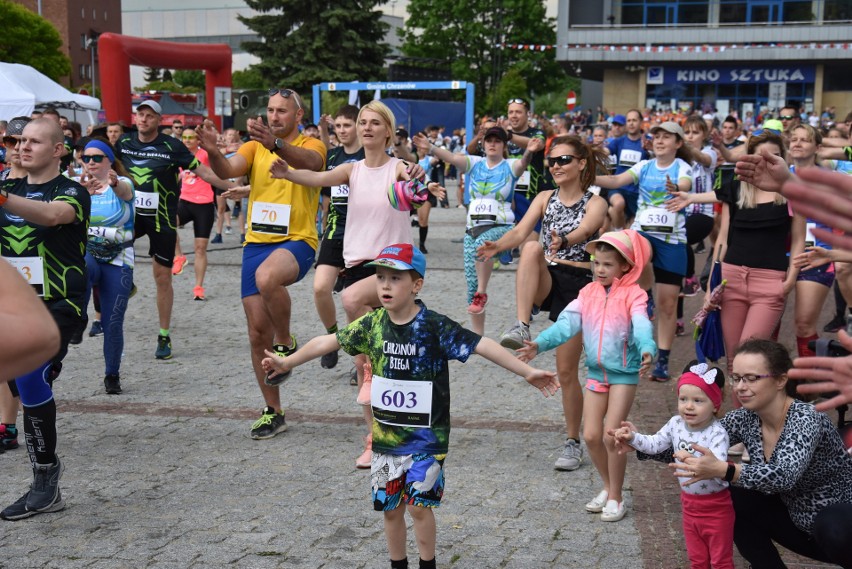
631	200
254	254
414	479
522	204
668	257
823	275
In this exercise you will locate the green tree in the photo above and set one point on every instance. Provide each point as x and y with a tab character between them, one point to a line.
251	78
510	86
167	75
30	39
189	78
466	34
308	42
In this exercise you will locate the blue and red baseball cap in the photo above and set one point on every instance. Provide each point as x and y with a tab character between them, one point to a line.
402	257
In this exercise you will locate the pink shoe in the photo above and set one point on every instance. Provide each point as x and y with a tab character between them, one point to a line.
366	457
178	265
477	305
366	387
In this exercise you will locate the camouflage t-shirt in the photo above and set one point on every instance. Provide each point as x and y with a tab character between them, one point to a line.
52	259
411	380
155	168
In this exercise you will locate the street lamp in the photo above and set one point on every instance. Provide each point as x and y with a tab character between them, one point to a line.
91	45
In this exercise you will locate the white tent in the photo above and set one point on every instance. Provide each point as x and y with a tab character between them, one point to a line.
22	88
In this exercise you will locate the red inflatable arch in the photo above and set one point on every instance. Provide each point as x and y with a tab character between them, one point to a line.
117	53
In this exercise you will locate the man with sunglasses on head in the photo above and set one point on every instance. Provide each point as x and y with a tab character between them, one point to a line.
154	161
44	219
536	178
282	237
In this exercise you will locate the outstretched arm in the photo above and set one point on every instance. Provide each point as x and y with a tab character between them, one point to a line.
315	348
544	381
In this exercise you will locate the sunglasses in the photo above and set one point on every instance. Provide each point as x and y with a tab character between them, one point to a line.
10	141
786	117
188	137
760	131
96	158
563	160
177	127
518	101
286	93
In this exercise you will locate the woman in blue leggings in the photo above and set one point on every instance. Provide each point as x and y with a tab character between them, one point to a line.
109	250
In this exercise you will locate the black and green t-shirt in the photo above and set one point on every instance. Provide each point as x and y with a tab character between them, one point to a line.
155	168
411	379
336	221
51	258
537	178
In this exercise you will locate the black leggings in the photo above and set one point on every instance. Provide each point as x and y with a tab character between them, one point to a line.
762	519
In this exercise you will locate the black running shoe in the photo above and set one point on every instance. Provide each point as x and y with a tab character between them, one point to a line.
269	424
164	348
44	495
835	324
329	360
275	379
112	384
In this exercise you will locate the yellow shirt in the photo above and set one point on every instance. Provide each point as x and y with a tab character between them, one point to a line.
279	210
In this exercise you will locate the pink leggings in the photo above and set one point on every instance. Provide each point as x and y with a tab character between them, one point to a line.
708	528
752	305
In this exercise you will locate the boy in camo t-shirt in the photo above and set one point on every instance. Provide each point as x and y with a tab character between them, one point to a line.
409	347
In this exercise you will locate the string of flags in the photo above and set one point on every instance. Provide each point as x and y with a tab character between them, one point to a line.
676	48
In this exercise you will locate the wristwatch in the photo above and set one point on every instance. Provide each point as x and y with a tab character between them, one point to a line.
277	145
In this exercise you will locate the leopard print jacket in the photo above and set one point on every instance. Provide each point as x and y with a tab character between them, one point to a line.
809	467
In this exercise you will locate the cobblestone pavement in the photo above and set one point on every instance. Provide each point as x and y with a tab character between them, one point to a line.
165	475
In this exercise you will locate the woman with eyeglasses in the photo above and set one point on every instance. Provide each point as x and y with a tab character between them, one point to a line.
109	249
797	490
552	271
489	216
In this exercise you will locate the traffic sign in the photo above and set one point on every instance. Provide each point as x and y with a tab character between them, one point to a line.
571	101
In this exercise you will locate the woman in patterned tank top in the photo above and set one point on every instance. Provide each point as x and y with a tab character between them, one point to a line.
552	271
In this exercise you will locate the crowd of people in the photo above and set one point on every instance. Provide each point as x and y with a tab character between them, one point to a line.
603	219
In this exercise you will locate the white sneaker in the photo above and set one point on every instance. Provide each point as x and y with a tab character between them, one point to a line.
598	502
613	511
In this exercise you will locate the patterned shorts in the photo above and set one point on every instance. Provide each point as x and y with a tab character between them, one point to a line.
415	479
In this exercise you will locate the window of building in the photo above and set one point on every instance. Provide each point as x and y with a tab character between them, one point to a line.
837	78
105	15
765	11
837	10
83	39
82	13
94	14
663	13
81	71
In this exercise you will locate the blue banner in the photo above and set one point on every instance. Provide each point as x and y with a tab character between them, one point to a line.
727	75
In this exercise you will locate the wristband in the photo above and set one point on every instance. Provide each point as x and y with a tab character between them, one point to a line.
729	474
564	241
510	133
4	196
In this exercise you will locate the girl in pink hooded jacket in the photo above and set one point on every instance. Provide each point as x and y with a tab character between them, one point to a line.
619	343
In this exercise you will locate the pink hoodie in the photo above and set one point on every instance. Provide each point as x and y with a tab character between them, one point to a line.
615	325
